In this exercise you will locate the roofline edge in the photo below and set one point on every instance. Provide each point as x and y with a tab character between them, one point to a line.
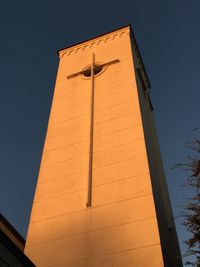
94	37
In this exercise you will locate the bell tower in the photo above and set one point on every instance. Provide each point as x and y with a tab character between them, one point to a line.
101	198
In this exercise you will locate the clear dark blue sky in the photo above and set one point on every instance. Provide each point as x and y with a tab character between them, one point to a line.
168	36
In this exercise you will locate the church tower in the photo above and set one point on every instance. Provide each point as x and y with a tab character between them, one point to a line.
101	198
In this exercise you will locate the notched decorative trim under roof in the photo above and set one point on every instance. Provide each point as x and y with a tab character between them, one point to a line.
103	38
96	41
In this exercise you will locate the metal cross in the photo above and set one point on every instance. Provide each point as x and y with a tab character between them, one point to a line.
91	74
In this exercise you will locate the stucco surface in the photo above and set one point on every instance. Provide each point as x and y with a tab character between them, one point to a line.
120	228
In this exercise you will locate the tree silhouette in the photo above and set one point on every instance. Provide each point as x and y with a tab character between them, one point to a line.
191	211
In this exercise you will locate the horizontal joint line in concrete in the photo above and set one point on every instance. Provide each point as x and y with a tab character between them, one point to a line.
96	123
93	207
95	151
96	167
96	135
65	146
80	116
107	254
62	177
86	153
97	98
100	109
94	186
66	176
97	88
116	162
116	146
94	230
131	113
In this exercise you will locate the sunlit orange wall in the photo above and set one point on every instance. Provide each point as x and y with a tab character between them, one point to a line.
120	229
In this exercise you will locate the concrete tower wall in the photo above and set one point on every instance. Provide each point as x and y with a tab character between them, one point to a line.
120	228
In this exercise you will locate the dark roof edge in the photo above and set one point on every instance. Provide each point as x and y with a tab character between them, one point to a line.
12	229
15	250
97	36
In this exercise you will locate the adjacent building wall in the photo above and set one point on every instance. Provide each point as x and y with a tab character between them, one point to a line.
12	246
